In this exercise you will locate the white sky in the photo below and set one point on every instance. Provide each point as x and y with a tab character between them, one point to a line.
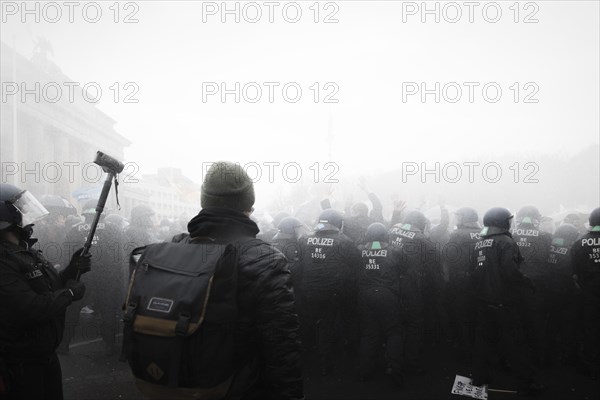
368	54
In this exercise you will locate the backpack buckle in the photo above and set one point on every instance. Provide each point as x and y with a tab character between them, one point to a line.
182	324
130	312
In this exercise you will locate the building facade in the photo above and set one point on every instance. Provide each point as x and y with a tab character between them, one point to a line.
48	146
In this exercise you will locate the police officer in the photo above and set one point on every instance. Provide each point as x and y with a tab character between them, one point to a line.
496	277
534	245
106	279
328	262
561	299
586	259
458	255
379	303
290	229
269	230
423	271
34	297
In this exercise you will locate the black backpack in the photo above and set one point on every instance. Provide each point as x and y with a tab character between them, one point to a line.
181	313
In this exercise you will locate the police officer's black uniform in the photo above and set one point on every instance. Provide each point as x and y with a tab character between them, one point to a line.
561	299
586	259
458	256
423	272
34	297
534	245
495	278
379	303
328	260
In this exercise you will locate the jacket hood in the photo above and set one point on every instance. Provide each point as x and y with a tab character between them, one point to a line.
222	223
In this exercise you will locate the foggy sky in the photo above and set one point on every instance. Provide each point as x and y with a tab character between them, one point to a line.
368	55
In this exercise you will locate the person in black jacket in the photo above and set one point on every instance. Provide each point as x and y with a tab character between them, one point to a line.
458	255
286	241
269	360
534	245
419	286
562	298
379	308
496	280
586	260
328	262
34	297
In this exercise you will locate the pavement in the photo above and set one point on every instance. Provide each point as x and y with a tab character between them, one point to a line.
89	374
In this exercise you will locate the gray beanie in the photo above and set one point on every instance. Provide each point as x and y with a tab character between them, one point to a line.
227	185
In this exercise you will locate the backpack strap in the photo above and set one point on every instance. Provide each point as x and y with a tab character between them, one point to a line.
128	319
177	347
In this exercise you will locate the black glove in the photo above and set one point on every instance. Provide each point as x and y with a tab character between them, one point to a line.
76	289
79	263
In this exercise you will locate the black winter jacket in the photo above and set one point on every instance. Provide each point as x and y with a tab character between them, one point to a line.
496	276
270	363
459	253
33	298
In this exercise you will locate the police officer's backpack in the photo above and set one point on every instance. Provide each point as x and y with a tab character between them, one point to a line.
181	312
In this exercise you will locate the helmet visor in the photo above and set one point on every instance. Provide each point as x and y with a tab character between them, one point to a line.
30	208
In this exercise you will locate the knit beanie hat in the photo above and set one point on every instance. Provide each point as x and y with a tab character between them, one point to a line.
227	185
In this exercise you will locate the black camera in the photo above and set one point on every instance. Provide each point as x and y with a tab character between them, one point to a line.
108	163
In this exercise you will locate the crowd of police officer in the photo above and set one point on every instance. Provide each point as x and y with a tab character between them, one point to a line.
507	291
380	289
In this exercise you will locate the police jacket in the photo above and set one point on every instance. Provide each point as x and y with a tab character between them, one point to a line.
33	298
458	254
496	272
328	260
586	260
288	245
560	268
380	267
534	245
419	255
269	348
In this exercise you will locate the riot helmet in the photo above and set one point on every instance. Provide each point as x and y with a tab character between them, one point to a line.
415	219
595	219
377	232
18	207
529	215
330	219
498	217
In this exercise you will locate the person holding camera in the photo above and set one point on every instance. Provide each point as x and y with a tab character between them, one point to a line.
34	298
